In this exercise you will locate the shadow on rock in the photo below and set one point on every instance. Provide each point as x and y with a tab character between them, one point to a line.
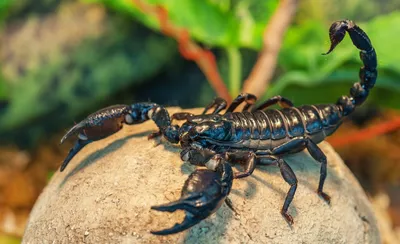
210	229
93	157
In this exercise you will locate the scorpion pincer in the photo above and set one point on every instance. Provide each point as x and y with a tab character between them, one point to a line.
258	135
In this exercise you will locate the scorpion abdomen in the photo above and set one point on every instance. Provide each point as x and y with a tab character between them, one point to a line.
265	129
295	121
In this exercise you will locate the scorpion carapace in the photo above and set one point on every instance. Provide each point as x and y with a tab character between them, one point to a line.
255	136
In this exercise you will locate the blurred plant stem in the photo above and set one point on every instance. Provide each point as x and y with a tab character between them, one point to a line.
205	59
263	70
366	133
235	70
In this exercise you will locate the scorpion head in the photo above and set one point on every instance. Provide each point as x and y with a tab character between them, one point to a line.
213	127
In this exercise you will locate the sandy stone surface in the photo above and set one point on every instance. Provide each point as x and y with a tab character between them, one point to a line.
105	194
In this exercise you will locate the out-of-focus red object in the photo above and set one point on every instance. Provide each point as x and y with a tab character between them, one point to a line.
365	134
205	59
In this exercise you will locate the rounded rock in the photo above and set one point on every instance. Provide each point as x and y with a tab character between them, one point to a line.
108	188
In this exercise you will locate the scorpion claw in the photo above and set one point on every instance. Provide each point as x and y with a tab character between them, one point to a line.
189	220
79	144
202	195
75	129
186	223
96	126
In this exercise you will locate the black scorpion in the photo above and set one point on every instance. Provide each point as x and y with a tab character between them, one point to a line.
256	136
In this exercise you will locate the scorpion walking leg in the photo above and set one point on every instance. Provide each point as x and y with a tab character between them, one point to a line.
250	99
315	152
318	155
281	101
198	157
219	103
288	175
248	159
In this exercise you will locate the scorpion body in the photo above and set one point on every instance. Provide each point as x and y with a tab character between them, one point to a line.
258	135
264	131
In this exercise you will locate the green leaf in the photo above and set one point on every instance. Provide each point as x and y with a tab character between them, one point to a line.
384	33
217	23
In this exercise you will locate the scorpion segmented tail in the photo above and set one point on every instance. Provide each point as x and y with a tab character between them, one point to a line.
368	73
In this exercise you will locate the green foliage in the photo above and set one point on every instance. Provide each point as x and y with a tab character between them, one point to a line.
237	24
73	77
90	73
223	23
4	5
303	66
360	10
3	89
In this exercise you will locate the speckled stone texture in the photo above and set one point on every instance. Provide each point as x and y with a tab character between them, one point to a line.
105	194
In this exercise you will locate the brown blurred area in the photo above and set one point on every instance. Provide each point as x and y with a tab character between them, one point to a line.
23	175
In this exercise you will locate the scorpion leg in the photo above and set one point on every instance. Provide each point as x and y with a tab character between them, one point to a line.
288	175
198	157
248	159
248	98
318	155
219	103
281	101
315	152
202	158
202	195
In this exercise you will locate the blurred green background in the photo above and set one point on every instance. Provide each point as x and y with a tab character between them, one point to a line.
63	59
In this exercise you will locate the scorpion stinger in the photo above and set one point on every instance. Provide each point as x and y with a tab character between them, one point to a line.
203	193
368	74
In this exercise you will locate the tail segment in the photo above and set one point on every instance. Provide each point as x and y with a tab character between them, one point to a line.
368	73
